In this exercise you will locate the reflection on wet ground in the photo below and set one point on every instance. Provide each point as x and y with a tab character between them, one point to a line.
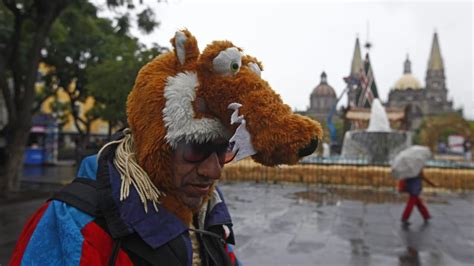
330	196
13	216
292	224
302	225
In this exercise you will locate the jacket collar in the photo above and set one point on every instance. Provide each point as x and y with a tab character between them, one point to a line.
155	227
158	228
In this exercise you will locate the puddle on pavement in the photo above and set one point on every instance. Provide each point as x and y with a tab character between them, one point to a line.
304	247
331	196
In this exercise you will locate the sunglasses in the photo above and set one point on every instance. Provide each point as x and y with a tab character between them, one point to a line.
198	152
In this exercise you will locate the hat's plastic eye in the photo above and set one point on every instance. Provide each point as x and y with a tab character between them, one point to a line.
255	68
234	66
228	62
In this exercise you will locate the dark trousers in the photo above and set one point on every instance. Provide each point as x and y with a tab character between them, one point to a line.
412	201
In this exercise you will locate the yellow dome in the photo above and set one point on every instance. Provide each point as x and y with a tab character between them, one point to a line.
407	81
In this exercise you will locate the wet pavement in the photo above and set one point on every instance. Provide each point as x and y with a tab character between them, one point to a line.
37	185
301	225
292	224
12	218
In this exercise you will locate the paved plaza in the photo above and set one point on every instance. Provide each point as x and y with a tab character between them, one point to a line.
300	225
293	224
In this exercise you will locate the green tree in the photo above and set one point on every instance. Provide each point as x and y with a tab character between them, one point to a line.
74	46
111	80
93	58
24	28
439	127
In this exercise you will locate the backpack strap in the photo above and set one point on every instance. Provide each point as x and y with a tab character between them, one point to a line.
81	193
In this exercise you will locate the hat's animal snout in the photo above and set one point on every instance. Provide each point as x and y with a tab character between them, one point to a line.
308	149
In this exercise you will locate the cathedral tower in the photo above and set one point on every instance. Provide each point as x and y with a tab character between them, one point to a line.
353	79
436	91
435	78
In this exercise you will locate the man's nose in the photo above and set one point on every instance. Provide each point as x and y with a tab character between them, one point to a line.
210	167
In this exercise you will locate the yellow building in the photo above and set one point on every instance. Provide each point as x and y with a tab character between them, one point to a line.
98	127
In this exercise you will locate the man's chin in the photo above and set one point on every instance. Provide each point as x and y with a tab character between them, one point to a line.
195	200
193	203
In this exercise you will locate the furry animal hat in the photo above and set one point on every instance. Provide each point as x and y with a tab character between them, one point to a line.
198	97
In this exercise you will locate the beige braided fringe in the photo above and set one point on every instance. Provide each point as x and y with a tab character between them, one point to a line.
131	173
196	260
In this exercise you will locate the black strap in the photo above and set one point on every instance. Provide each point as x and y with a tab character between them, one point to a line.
209	233
215	252
172	253
115	252
80	193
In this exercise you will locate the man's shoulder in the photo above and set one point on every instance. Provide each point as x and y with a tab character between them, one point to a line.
88	167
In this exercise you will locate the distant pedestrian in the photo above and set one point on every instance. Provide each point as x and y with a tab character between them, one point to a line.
467	150
326	150
408	166
442	148
414	186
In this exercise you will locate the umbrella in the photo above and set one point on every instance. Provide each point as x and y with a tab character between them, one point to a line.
409	162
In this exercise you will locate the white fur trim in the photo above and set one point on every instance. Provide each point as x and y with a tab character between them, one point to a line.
214	199
178	114
180	39
226	231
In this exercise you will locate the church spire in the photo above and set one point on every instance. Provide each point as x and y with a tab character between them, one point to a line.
324	79
435	62
407	66
435	78
356	61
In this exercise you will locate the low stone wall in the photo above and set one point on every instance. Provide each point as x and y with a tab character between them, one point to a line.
362	176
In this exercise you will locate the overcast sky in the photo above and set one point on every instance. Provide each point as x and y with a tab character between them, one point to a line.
298	40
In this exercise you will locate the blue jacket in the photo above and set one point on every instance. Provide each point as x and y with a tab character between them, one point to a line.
414	185
61	234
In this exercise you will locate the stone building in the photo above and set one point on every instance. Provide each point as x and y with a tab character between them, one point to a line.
419	102
322	100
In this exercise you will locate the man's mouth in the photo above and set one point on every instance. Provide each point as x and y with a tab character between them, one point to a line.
201	189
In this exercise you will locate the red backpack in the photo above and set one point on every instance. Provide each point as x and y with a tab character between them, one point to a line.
401	186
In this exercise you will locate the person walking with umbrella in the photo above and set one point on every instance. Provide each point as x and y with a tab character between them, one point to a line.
413	188
408	167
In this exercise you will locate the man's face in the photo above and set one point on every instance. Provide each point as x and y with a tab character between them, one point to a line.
195	169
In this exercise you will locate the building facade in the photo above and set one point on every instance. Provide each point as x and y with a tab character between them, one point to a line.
420	102
322	100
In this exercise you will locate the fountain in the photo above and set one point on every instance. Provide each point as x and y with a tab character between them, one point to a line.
379	143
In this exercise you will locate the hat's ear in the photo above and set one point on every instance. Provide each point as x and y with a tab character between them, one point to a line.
185	47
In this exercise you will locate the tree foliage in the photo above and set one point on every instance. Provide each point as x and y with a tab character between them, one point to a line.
146	20
112	79
92	58
24	28
28	34
436	128
72	47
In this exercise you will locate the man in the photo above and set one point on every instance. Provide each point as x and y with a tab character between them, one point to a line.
153	197
467	150
66	228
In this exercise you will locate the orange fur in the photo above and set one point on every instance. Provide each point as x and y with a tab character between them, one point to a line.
277	134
